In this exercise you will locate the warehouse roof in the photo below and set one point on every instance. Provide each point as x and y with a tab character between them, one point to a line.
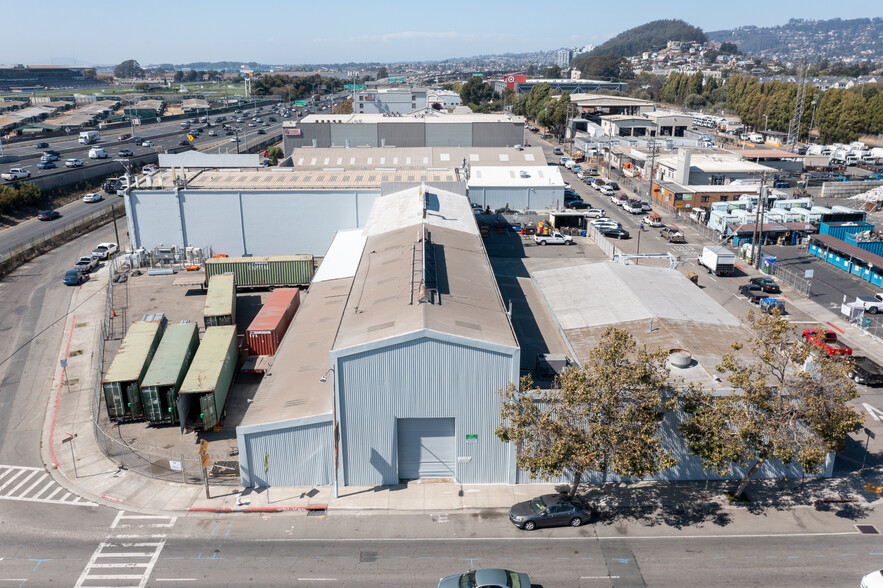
277	178
424	271
136	346
602	100
342	258
412	157
658	306
521	176
432	117
716	164
291	388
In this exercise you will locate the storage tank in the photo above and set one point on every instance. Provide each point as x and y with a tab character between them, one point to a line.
203	394
122	382
220	302
256	272
269	326
159	389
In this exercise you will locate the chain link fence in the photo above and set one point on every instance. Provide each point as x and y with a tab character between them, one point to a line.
147	461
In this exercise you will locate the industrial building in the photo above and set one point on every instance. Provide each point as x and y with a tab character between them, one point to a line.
239	211
389	100
429	128
402	344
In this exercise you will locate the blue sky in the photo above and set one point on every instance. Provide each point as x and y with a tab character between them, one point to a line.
306	31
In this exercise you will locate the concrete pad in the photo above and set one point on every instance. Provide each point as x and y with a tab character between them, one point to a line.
442	497
365	498
477	497
411	497
177	498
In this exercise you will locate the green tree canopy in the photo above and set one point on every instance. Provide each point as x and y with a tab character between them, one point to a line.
382	73
476	92
605	417
552	72
128	69
782	411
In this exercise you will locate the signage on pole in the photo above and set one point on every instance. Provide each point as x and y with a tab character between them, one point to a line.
300	103
175	466
203	447
204	460
808	274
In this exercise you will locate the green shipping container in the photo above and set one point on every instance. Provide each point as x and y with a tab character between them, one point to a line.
220	302
252	272
122	382
159	388
203	394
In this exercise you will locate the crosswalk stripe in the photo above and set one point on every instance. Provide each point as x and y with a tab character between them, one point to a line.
48	486
34	485
31	484
22	483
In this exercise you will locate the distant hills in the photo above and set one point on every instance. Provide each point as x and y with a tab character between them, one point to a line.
849	41
650	37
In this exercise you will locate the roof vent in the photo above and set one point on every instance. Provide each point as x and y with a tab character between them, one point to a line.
680	358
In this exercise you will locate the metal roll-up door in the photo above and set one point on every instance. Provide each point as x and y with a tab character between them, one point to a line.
426	448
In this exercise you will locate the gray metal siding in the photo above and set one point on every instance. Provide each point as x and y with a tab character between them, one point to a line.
449	134
422	378
358	135
246	223
497	134
299	455
412	134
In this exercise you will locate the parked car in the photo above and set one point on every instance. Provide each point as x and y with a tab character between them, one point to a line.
613	185
73	277
126	153
550	510
86	264
149	168
645	206
93	197
489	578
598	183
752	292
104	250
48	215
577	204
595	213
768	285
557	151
607	190
618	233
672	235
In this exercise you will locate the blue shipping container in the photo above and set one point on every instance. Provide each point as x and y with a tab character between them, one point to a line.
840	230
875	247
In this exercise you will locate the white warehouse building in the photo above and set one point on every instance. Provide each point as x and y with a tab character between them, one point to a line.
403	341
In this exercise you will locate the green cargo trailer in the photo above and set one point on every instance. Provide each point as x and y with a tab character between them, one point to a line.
258	272
122	382
159	388
203	394
220	302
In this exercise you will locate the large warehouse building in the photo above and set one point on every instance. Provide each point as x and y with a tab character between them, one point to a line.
426	129
404	341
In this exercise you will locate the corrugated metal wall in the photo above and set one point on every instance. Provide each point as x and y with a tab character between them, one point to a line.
252	223
358	135
423	378
497	134
401	134
299	455
449	135
518	198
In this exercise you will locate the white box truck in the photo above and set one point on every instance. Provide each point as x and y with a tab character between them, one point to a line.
719	261
89	137
97	153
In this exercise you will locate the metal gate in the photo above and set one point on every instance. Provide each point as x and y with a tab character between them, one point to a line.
426	448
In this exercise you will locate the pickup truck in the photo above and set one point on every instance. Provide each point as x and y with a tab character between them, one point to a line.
672	235
16	173
770	304
865	370
871	305
86	264
827	341
555	238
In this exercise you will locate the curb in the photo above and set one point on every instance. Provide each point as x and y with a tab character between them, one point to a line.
257	509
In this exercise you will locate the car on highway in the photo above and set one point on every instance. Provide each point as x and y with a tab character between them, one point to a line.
73	277
752	292
104	250
52	152
86	264
768	285
212	134
234	139
230	132
550	510
125	153
45	165
73	163
47	156
486	578
48	215
262	132
93	197
183	142
148	144
251	124
617	232
124	136
137	140
42	145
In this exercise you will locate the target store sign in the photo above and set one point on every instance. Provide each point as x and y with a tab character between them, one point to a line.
512	80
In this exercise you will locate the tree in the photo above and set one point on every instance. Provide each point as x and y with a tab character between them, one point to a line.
345	107
729	49
605	67
552	72
179	76
605	416
781	411
275	154
142	87
382	73
128	69
476	92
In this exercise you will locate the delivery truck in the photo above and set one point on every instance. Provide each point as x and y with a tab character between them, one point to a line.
719	261
89	137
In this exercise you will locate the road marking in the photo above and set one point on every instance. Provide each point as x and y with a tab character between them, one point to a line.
317	579
599	577
27	479
175	580
875	413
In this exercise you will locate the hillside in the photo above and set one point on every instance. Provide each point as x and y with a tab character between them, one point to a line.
848	41
649	37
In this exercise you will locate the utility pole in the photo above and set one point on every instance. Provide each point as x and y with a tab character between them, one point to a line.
113	213
761	206
652	145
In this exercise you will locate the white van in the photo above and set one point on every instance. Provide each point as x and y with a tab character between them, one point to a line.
755	138
97	153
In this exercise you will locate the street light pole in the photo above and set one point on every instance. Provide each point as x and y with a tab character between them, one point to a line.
335	431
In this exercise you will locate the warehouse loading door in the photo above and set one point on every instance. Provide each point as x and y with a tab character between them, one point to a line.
426	448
